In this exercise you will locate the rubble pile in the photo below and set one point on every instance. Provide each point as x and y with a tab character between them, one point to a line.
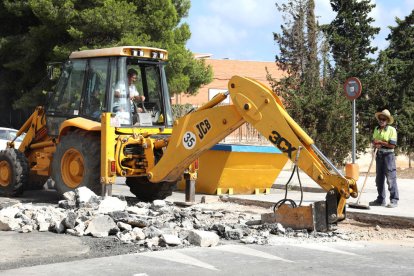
152	225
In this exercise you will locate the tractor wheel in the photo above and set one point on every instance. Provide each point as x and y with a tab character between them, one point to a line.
36	182
145	190
14	171
76	163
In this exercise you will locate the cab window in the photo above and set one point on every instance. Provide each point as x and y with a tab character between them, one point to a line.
94	98
69	89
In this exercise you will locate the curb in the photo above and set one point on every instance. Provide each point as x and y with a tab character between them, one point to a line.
297	188
242	201
404	222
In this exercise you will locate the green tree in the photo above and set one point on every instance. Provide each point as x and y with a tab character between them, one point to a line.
291	41
316	105
35	32
312	68
349	36
399	68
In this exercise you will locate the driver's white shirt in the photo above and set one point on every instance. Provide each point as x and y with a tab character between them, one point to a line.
133	92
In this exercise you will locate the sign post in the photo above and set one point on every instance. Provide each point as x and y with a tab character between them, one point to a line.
353	89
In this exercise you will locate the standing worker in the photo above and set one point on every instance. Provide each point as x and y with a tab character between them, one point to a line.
385	139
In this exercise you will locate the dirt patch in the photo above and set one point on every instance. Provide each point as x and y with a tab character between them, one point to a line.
405	173
370	232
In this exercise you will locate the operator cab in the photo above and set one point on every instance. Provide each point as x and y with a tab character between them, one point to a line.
97	81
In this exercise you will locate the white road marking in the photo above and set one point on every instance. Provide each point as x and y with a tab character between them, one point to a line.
175	256
244	250
323	248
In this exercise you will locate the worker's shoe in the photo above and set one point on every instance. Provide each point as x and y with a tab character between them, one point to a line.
392	205
377	203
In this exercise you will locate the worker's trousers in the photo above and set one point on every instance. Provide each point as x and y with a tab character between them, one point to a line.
385	163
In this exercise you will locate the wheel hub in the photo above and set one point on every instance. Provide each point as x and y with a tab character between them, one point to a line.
5	173
72	168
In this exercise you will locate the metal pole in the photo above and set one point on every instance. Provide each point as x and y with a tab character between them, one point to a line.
324	158
353	132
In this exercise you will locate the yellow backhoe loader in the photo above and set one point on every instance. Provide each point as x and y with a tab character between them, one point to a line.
93	130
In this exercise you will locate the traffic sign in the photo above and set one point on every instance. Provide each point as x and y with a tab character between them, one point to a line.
352	88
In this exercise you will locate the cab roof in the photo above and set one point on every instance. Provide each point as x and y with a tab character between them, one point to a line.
133	51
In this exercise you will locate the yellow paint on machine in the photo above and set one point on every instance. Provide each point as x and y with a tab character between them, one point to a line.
238	169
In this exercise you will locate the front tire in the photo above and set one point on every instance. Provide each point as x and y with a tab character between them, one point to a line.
76	162
14	171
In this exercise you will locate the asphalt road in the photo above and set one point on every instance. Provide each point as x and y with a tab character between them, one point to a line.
52	254
279	258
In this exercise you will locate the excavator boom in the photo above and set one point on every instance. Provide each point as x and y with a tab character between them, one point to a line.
254	103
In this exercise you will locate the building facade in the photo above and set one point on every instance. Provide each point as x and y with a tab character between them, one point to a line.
223	70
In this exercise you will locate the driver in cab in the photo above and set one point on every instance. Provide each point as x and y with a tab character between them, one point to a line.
133	92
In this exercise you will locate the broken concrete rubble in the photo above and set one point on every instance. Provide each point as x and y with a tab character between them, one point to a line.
150	225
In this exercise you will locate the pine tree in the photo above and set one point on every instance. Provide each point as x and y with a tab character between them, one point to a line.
291	41
316	103
400	68
312	68
349	36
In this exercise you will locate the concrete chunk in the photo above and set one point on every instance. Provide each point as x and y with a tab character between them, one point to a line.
233	234
9	212
70	196
138	233
137	211
203	238
44	226
84	194
124	226
100	226
158	204
8	224
171	239
70	220
111	204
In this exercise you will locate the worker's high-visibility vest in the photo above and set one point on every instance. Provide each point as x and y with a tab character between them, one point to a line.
387	134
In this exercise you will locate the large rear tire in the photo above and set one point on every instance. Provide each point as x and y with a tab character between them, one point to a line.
76	162
145	190
14	171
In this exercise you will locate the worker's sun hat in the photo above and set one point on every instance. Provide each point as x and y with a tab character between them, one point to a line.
387	114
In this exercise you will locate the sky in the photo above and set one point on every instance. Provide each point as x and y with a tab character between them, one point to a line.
243	29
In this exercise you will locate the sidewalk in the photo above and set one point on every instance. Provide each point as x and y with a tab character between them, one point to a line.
402	215
313	192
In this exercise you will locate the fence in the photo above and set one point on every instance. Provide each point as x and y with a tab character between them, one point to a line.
246	134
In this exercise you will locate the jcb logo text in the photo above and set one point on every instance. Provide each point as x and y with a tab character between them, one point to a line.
281	143
203	127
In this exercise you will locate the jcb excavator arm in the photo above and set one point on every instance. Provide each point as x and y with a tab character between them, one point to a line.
254	103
